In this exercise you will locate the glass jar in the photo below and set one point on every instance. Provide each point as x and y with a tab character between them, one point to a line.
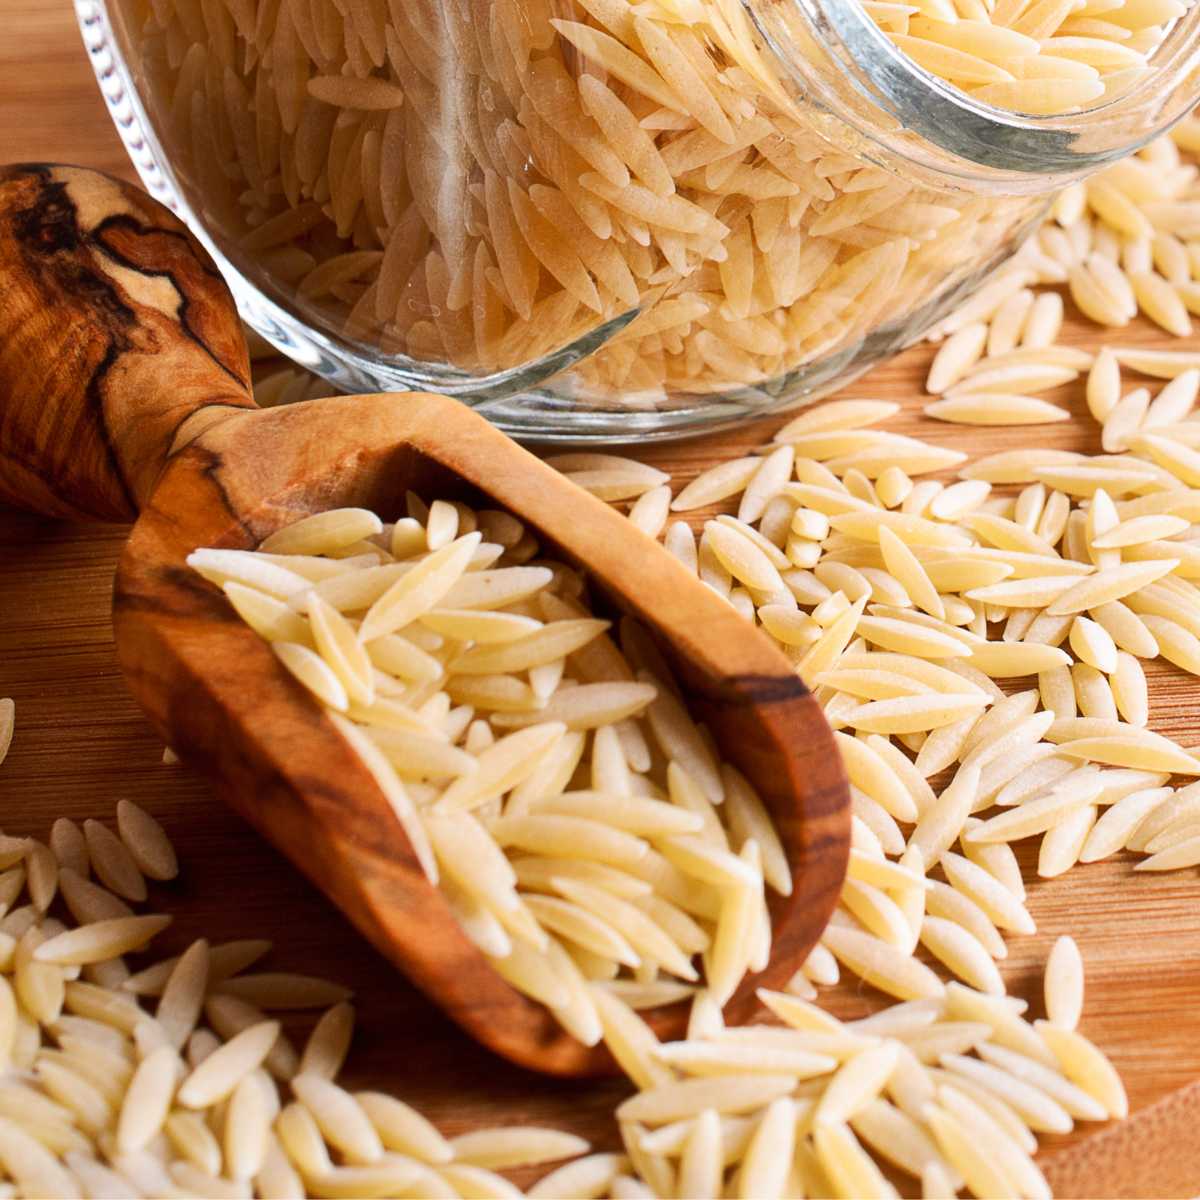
590	219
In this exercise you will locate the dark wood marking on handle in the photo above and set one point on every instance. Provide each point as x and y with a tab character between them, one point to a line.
47	234
115	330
50	228
209	464
171	254
190	595
95	401
767	689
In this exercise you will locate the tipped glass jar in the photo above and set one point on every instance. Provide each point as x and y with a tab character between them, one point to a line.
592	219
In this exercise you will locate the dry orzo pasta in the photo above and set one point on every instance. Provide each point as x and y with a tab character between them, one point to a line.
653	203
584	829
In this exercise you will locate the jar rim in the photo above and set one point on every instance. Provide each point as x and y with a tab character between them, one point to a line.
984	143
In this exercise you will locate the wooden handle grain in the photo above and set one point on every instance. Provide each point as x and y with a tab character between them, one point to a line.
119	342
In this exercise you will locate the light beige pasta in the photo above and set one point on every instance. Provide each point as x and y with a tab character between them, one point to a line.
1082	1063
993	408
146	842
100	940
495	789
112	862
1064	983
607	163
882	965
116	1083
7	725
1062	845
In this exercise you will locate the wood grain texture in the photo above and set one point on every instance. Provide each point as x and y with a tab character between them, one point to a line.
81	744
115	331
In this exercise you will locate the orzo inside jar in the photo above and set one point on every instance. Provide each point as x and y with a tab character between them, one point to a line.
645	204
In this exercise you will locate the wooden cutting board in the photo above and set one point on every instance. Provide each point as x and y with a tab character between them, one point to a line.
81	745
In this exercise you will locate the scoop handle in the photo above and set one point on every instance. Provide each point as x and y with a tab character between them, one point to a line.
119	342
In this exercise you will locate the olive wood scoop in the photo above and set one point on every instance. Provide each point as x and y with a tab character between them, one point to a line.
125	390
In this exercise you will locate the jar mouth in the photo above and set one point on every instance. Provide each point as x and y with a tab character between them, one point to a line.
986	144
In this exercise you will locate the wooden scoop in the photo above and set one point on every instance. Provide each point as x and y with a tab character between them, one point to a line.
125	389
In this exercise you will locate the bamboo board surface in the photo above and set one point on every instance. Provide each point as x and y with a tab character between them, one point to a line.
81	745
